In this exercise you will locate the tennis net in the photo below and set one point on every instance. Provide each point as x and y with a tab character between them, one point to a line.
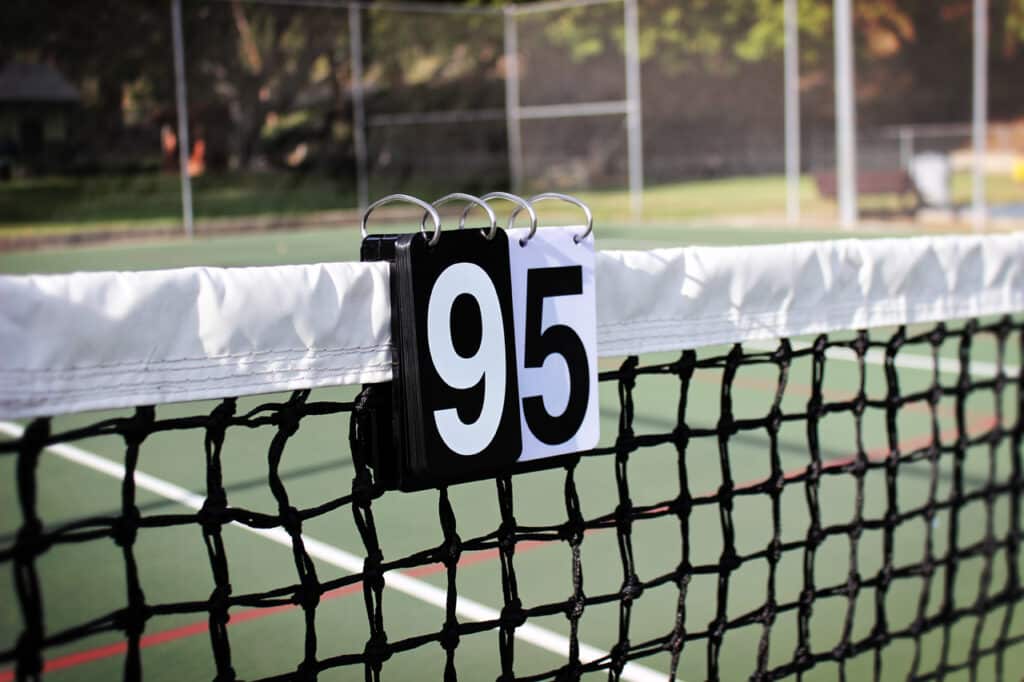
846	501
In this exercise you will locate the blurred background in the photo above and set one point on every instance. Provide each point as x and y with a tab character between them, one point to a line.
298	113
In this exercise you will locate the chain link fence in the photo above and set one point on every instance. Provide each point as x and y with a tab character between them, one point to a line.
307	108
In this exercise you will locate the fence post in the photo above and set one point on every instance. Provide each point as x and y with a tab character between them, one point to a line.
979	209
181	102
906	135
634	108
515	140
846	115
355	40
792	110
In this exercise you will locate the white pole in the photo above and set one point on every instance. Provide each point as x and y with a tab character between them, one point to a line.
355	41
906	135
792	111
181	102
515	140
846	115
980	111
634	112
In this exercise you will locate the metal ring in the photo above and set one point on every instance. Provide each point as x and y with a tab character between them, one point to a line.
405	198
577	238
489	232
523	204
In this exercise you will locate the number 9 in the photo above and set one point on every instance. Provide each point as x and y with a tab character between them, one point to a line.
487	364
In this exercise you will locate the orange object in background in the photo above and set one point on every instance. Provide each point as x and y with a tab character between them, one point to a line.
197	159
169	153
168	148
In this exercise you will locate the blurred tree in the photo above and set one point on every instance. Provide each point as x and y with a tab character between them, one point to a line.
257	70
116	54
264	76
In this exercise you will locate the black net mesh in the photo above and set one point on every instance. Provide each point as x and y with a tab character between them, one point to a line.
946	457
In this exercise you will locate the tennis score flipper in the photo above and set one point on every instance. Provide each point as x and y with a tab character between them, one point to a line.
495	353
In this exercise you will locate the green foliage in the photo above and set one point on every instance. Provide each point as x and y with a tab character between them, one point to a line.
1013	38
715	36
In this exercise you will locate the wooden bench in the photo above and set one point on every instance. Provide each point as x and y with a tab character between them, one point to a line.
896	181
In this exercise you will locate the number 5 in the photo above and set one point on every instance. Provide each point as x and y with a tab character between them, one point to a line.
558	339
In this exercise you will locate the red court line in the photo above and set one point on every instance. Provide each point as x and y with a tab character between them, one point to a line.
255	613
806	390
882	452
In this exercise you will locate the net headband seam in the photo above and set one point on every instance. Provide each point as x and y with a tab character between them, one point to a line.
102	340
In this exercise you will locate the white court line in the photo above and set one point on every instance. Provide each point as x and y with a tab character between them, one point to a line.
977	368
418	589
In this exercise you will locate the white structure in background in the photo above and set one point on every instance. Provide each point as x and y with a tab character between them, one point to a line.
933	179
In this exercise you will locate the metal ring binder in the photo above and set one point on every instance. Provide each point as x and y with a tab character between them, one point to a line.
489	232
408	199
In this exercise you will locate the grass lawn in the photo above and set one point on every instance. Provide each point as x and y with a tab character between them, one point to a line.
326	245
147	201
151	201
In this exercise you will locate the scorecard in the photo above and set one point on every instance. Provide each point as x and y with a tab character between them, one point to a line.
494	353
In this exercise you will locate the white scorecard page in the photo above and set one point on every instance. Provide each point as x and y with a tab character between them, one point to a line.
555	321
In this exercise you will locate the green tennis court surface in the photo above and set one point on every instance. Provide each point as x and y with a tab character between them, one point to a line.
342	244
938	579
85	580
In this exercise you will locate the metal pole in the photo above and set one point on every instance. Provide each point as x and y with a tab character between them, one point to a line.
182	109
906	135
792	111
634	111
355	44
846	115
515	140
979	123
